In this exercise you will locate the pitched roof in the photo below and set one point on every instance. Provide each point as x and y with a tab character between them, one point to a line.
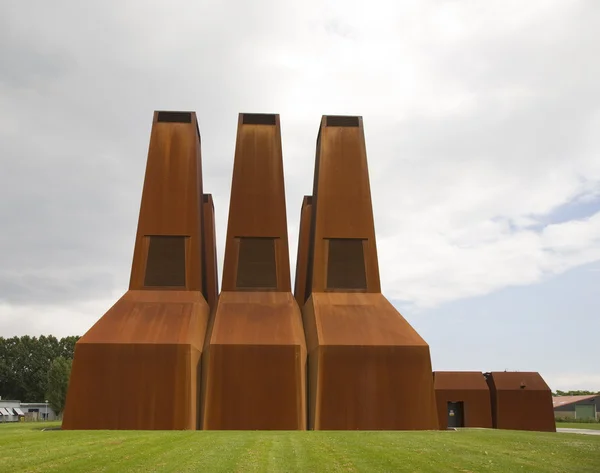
558	401
459	380
517	380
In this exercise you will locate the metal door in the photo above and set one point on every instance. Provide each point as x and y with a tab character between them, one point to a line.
455	414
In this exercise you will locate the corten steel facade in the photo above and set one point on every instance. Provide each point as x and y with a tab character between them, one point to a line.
256	353
470	390
173	353
520	401
368	368
142	357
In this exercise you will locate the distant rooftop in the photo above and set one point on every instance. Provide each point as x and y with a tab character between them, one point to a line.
558	401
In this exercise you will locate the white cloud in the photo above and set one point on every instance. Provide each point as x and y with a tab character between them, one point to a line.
58	320
437	268
573	381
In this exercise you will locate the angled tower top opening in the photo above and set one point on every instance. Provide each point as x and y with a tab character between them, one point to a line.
174	117
258	119
336	120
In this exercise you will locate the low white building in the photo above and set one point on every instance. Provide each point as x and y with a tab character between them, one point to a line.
42	409
12	411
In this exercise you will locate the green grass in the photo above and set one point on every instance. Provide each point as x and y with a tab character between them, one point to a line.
578	425
26	448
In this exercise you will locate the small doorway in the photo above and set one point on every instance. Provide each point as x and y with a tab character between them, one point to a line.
455	414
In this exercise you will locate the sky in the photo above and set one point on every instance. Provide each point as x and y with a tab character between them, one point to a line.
482	128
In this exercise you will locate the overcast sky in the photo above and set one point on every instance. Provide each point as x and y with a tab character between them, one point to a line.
482	123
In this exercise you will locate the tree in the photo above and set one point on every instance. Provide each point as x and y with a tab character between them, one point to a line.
25	362
58	383
66	346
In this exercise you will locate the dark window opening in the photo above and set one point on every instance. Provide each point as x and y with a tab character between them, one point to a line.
175	117
165	264
346	264
342	121
256	267
258	119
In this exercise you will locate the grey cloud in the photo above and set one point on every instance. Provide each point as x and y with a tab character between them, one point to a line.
54	290
72	173
26	63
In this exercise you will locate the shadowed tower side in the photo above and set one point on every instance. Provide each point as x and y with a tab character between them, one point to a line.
255	376
368	368
303	248
141	359
210	276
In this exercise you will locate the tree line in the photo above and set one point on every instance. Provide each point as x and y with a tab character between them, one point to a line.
36	369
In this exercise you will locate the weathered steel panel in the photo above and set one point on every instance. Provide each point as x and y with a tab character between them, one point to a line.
256	355
368	368
468	387
141	360
521	401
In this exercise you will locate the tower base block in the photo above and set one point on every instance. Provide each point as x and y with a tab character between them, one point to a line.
468	389
137	367
255	378
521	401
368	369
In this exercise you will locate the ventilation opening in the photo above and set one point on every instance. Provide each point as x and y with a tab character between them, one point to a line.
165	264
258	119
346	264
175	117
342	121
256	264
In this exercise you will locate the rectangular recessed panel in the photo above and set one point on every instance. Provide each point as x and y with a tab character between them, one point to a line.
258	119
342	121
175	117
256	264
165	265
346	264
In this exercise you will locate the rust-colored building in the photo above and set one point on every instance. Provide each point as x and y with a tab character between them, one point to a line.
173	353
463	399
256	358
141	359
520	401
368	369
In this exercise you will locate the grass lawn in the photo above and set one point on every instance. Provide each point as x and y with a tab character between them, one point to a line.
26	448
578	425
